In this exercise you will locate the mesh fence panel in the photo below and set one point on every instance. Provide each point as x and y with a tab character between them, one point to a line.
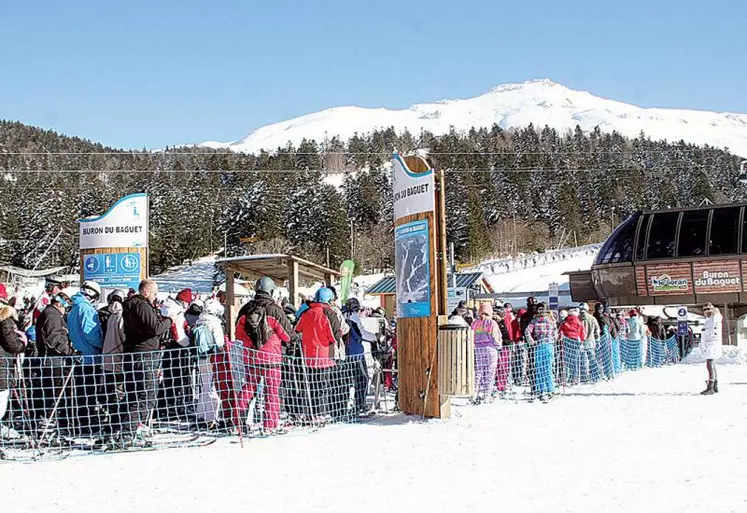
177	397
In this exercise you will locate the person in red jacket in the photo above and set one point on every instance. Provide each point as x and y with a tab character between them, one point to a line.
572	333
518	351
512	326
320	330
262	337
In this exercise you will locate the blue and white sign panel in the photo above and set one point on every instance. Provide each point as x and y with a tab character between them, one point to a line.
113	270
412	193
682	321
412	251
125	225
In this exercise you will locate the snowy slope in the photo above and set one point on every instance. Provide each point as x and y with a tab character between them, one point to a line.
535	272
198	277
541	102
645	442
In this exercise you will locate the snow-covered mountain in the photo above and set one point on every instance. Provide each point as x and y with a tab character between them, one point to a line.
541	102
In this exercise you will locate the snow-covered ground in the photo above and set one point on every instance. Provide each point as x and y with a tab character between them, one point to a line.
646	442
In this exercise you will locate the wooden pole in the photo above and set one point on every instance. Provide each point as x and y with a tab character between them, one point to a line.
230	304
441	260
417	357
293	284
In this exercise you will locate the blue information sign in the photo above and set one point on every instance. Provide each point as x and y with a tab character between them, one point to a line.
682	321
113	270
412	249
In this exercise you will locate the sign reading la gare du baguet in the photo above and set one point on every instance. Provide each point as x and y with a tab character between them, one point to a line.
125	225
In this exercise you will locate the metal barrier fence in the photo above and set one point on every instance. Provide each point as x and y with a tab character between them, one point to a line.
64	406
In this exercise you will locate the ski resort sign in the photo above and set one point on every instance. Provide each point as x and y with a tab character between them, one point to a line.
412	192
125	225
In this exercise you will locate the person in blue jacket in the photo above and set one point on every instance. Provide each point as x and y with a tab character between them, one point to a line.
85	333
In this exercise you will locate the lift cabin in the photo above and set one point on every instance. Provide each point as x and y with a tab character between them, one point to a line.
685	256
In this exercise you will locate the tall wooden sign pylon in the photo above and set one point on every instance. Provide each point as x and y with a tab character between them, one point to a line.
420	268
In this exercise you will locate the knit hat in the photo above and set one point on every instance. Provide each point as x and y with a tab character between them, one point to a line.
486	308
185	296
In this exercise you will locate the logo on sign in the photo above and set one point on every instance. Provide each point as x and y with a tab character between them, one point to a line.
92	264
665	283
717	279
128	263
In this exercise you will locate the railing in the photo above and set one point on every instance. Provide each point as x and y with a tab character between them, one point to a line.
63	406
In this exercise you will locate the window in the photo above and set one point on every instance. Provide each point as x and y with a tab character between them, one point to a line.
693	228
661	238
619	246
641	241
724	231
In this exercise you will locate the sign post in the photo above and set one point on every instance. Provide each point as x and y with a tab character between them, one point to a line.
420	265
553	297
114	246
682	331
455	295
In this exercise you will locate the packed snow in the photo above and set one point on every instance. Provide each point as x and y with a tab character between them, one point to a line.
644	442
540	102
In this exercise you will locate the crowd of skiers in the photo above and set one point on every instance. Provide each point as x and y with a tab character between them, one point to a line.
109	373
82	371
539	348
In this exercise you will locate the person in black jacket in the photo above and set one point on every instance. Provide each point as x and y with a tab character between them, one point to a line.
55	352
143	327
10	347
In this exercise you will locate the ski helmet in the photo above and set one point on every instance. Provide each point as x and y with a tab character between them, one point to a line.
91	289
324	295
116	295
265	284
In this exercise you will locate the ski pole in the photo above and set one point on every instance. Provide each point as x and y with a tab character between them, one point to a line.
57	403
23	398
159	373
235	406
306	380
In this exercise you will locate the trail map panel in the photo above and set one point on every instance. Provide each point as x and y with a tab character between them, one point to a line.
411	251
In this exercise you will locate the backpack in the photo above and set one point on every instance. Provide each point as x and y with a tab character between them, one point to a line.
203	340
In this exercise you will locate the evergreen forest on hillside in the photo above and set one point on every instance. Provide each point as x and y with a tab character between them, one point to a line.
508	191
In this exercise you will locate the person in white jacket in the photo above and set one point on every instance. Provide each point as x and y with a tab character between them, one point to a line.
711	345
209	337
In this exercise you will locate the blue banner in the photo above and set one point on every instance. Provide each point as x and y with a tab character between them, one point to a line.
412	250
113	270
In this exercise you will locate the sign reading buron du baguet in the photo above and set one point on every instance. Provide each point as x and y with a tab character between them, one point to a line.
125	225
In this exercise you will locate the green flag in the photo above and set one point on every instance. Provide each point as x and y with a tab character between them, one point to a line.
346	279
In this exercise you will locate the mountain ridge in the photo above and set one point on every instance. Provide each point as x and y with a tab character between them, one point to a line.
538	102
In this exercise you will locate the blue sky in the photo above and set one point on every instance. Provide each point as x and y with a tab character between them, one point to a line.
151	73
